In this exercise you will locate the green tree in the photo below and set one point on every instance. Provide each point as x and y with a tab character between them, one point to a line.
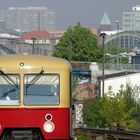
78	44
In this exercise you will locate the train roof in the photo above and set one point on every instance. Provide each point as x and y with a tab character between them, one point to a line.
33	61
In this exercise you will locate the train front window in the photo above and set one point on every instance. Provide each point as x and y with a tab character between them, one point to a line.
42	89
9	89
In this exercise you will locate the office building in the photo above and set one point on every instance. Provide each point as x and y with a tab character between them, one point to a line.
28	18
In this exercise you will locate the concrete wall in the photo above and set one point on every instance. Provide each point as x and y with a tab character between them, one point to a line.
116	82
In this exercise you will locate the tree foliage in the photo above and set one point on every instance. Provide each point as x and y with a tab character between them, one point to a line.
78	44
122	107
114	50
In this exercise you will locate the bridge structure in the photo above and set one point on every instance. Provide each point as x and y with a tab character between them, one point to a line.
6	50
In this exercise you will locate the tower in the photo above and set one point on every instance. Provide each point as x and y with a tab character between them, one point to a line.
105	24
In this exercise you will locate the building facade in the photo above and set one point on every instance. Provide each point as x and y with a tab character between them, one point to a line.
28	18
131	19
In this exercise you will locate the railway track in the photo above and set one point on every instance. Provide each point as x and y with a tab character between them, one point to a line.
109	134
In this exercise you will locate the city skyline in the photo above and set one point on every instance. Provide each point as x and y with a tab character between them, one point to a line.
87	12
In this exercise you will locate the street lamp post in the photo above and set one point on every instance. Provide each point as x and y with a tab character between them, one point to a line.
33	48
118	42
103	65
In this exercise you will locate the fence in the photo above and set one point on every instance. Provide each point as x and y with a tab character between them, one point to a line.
108	66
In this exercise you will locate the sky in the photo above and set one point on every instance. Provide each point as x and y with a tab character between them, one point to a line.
87	12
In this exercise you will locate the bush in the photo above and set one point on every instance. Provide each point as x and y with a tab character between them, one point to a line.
124	107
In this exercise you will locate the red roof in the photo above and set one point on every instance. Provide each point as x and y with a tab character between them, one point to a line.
41	34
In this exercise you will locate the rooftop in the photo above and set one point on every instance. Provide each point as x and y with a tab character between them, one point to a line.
29	8
41	34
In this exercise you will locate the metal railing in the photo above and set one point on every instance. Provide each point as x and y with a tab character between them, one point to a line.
108	66
6	49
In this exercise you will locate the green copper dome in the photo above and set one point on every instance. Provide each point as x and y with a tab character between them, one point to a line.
105	20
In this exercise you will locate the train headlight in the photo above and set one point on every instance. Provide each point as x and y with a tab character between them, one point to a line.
48	127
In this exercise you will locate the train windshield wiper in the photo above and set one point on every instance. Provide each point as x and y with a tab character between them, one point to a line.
34	79
6	75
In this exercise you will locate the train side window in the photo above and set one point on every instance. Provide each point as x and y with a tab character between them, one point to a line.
9	89
41	89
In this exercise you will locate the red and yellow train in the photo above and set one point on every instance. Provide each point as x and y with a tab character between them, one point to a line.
35	98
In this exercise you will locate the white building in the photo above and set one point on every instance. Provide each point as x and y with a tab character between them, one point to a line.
131	19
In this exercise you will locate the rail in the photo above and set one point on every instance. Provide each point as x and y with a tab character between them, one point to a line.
109	134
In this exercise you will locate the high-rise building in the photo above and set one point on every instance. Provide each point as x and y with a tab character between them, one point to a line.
131	19
29	18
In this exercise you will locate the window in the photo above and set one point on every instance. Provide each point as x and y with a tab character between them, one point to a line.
9	90
127	20
41	89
